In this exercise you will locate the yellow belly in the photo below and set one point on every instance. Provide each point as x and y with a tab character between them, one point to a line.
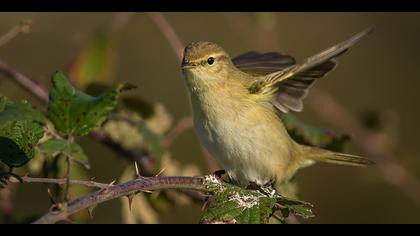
250	143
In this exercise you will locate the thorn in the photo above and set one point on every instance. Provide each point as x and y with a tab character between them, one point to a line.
137	169
107	187
160	172
51	197
130	200
155	194
90	210
146	191
112	183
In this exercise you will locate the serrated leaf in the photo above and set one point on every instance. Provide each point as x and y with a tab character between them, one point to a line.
20	131
54	147
298	207
242	206
237	205
23	110
76	113
313	136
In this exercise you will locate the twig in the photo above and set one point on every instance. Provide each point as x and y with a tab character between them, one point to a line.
368	141
99	135
146	163
119	190
24	81
183	125
24	27
169	33
67	178
91	184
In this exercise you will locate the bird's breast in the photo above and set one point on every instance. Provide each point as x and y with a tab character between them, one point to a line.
246	137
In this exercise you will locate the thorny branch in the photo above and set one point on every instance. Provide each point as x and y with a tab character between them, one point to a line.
146	162
110	192
342	118
62	181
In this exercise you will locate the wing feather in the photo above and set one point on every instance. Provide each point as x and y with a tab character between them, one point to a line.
291	81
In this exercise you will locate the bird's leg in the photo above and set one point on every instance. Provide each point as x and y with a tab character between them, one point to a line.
267	188
253	186
222	175
219	173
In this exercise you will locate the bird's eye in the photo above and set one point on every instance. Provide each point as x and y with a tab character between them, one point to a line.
210	60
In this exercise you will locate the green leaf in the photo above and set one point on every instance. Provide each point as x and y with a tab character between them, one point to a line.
20	131
23	110
298	207
313	136
54	147
76	113
233	204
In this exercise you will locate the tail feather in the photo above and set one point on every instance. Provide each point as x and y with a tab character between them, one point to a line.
347	159
322	155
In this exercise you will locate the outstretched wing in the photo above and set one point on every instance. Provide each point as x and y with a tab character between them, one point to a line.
256	64
291	81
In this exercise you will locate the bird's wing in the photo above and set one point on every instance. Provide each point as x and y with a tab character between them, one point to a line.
257	64
288	80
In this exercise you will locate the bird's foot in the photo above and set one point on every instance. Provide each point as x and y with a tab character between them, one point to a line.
222	175
266	189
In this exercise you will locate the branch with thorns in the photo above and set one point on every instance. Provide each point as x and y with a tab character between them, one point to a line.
63	211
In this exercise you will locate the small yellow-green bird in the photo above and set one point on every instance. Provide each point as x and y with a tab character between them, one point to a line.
236	105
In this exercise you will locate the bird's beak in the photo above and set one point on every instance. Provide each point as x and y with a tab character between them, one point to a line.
187	65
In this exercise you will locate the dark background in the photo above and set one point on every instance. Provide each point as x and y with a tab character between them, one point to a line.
378	75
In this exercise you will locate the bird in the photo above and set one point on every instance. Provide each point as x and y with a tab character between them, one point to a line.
237	105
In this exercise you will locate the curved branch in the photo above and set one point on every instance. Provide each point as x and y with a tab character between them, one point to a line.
91	184
24	27
24	81
169	33
124	189
183	125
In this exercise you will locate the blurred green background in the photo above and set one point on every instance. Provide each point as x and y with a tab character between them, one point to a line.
378	75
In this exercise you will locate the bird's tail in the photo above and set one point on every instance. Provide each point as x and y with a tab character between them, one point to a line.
322	155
